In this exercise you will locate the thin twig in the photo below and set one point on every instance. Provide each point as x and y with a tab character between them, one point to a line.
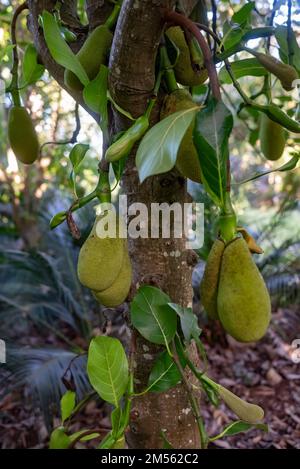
191	397
184	22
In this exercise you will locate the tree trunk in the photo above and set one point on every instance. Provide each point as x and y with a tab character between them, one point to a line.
164	263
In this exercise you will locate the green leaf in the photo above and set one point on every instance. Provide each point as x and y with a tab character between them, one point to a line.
164	374
152	317
108	368
95	96
59	49
107	442
57	219
235	29
59	439
188	321
281	34
76	156
158	149
211	133
241	68
238	427
116	418
291	164
67	404
75	435
31	69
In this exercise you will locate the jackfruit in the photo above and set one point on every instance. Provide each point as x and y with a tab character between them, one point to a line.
247	412
243	300
209	283
184	72
117	293
92	55
272	138
100	259
22	135
187	161
284	72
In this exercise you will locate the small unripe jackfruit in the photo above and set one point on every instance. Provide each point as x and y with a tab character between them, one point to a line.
243	301
22	135
272	138
117	293
187	161
284	72
92	55
184	72
247	412
209	283
100	260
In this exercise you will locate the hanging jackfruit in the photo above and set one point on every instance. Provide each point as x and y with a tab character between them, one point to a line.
209	283
100	259
243	301
184	72
272	138
117	293
22	135
92	55
187	161
284	72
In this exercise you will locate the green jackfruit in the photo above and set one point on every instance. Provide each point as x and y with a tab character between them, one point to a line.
209	283
272	138
247	412
92	55
100	260
243	301
284	72
22	135
117	293
184	72
187	161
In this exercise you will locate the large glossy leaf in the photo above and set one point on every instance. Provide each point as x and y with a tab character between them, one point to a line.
31	69
281	34
234	30
238	427
211	133
241	68
95	96
164	374
158	149
188	321
108	368
152	317
67	404
59	49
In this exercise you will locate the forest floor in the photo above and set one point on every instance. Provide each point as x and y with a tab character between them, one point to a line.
263	373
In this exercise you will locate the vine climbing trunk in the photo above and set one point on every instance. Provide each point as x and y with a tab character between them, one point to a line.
164	263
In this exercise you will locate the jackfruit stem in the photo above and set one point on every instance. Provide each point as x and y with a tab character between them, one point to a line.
168	70
227	221
103	188
113	17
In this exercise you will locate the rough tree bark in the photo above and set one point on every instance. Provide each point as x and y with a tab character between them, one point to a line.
160	262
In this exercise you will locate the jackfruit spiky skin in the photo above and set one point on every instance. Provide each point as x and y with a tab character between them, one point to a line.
187	161
209	283
247	412
183	68
100	260
92	54
117	293
22	135
243	301
272	138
